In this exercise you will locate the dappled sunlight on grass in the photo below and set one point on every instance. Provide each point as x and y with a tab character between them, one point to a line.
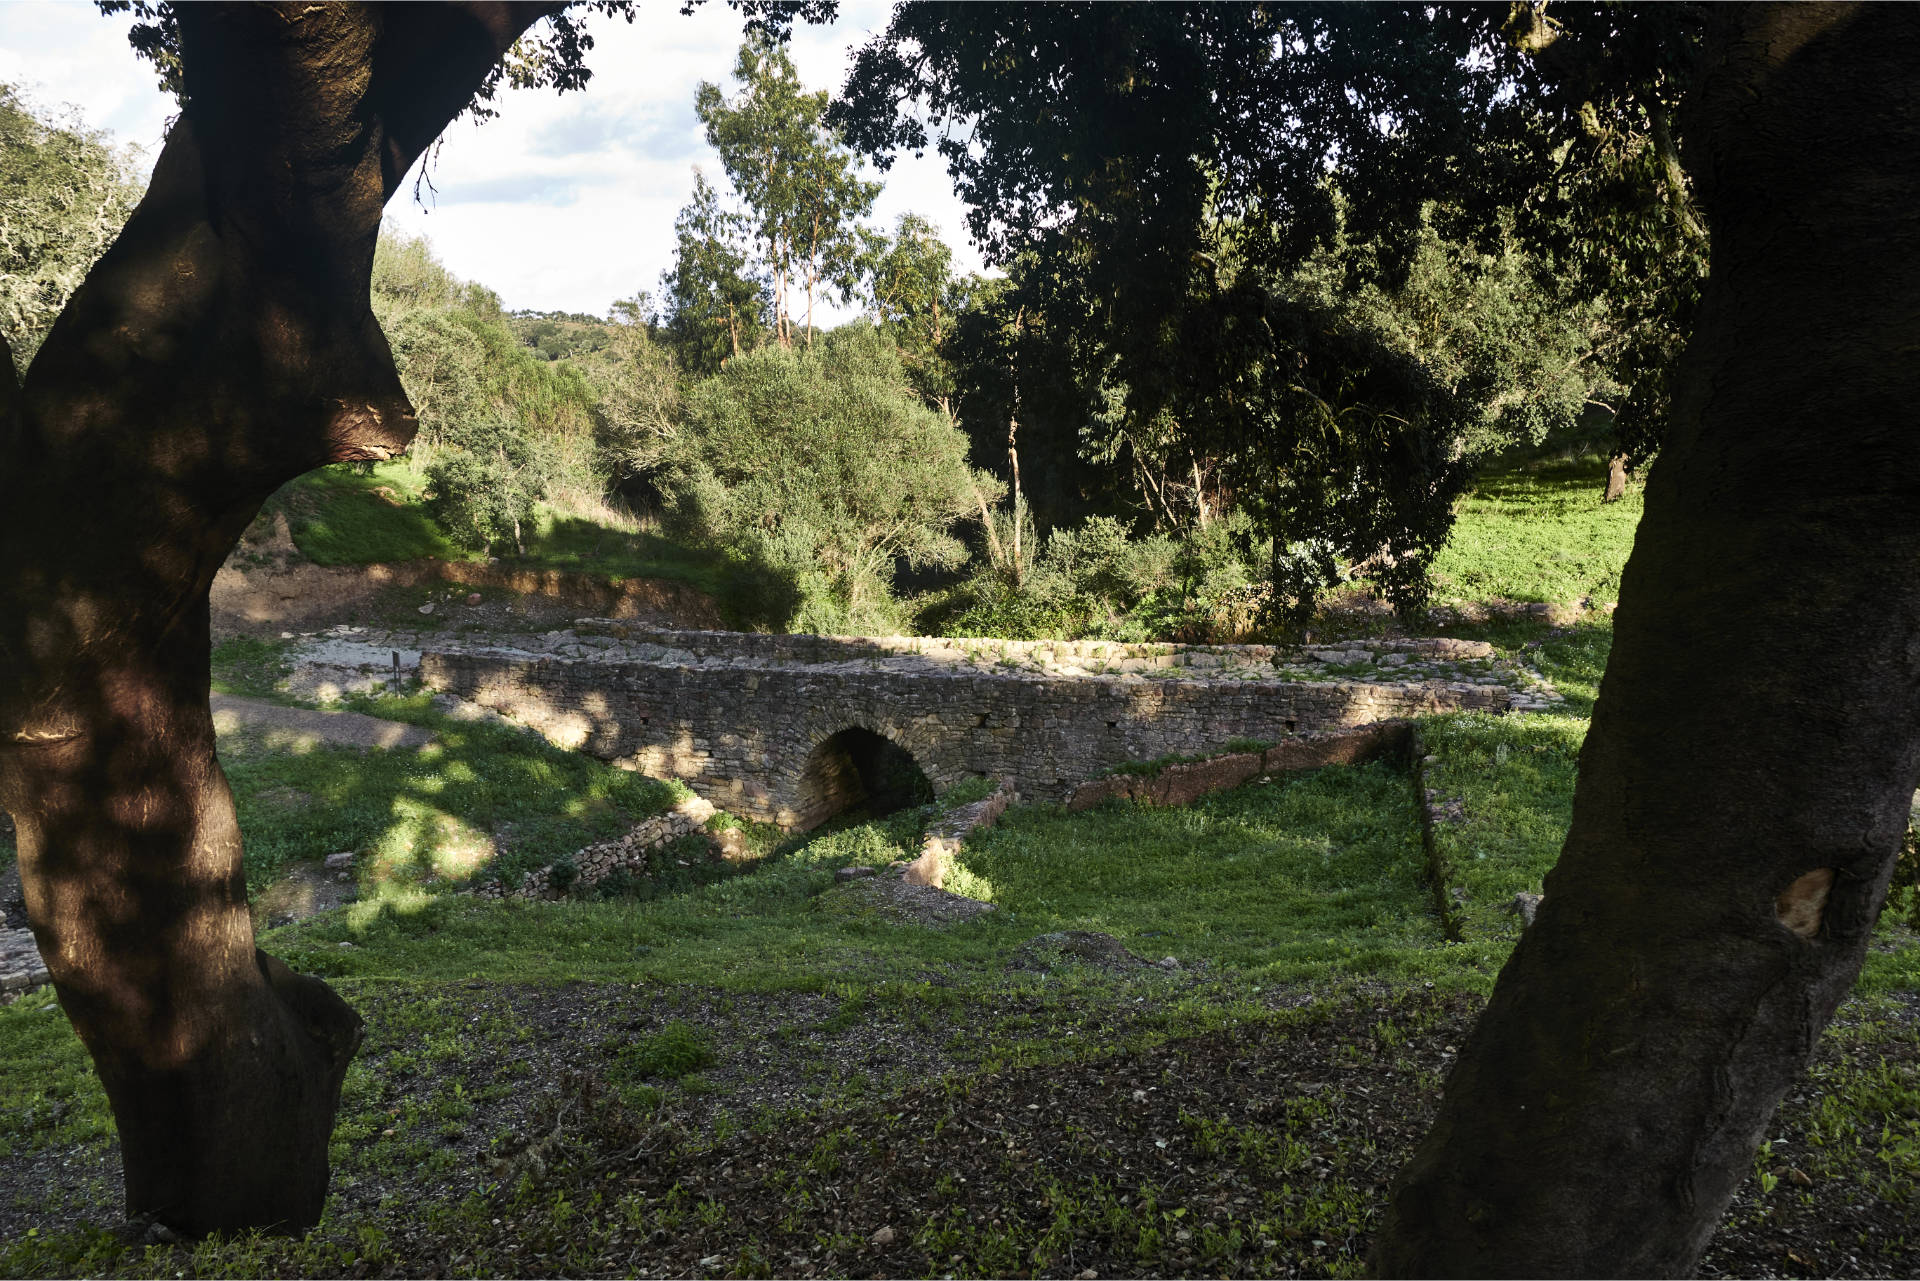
481	798
341	516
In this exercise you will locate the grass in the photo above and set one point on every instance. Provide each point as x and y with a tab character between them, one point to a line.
250	666
1539	533
481	796
1308	884
782	1064
342	515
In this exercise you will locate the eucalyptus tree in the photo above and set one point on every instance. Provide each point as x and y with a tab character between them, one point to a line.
1744	784
915	298
718	306
802	190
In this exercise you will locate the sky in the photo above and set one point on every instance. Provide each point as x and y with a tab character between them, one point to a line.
563	202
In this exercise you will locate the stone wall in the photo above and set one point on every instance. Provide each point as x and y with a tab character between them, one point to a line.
746	733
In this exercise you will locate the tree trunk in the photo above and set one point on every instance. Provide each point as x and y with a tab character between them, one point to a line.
1745	782
1013	462
222	346
1616	479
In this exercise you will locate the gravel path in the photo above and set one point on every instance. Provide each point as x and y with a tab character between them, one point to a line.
299	728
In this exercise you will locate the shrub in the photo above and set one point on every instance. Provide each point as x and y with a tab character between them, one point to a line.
823	468
483	491
676	1050
1096	581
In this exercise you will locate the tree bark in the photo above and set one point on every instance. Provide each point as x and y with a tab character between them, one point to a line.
222	346
1616	479
1745	781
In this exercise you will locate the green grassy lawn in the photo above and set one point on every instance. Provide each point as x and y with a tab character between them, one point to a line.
342	515
1539	533
480	795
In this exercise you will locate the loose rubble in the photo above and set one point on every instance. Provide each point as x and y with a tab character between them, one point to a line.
636	851
21	968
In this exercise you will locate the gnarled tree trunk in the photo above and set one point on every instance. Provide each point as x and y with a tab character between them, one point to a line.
1744	785
222	346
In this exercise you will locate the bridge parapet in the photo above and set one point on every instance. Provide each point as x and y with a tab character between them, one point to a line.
749	720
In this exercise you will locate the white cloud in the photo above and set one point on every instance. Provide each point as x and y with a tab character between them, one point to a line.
562	202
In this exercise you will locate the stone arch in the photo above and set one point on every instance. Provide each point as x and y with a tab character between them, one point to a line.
855	765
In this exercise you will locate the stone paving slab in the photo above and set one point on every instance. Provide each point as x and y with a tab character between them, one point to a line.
347	660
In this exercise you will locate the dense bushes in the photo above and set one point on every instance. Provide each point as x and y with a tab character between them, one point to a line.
501	429
1097	581
818	471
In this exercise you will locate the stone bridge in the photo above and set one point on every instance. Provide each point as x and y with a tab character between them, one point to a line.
792	729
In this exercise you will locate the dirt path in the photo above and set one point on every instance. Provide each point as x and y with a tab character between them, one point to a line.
299	729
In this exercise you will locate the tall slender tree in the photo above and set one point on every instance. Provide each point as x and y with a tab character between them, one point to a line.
717	307
802	190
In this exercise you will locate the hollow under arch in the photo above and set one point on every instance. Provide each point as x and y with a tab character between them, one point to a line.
859	766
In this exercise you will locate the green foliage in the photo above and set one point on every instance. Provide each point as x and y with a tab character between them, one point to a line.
501	428
717	307
1125	169
1096	582
636	393
1904	898
65	191
676	1050
915	297
824	469
562	335
802	195
1515	345
485	488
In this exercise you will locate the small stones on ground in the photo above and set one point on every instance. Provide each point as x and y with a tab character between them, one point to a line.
1525	906
339	862
883	1237
853	873
632	852
1044	952
427	608
473	598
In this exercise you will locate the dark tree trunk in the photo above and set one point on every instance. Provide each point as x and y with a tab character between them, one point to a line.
222	346
1745	782
1616	479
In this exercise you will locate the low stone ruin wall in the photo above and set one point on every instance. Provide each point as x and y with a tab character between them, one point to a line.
745	734
1187	781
